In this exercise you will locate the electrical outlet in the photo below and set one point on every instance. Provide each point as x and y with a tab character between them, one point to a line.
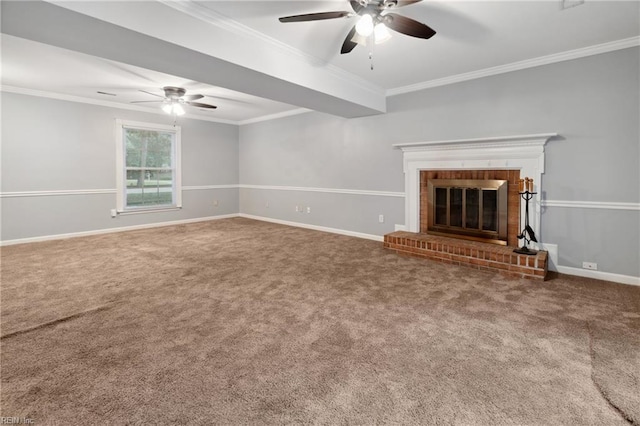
381	218
297	209
308	209
215	203
590	265
114	213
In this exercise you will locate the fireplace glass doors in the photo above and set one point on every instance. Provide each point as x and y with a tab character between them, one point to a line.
473	209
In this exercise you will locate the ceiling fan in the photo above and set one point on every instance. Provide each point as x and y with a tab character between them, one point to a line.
374	21
174	98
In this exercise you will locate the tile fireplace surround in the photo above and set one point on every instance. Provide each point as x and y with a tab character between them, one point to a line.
513	157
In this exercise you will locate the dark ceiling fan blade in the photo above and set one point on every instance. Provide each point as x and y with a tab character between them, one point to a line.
407	26
349	44
199	105
314	16
356	6
142	102
402	3
152	94
192	97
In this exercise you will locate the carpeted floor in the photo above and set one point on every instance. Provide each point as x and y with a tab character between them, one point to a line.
244	322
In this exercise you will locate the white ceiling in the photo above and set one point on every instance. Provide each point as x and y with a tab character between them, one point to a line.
52	70
471	36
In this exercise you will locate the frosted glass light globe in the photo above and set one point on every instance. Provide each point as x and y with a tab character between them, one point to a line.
381	33
177	109
364	27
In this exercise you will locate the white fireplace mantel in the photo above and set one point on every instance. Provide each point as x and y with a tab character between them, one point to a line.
520	152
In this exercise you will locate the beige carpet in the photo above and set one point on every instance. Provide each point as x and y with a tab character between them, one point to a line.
244	322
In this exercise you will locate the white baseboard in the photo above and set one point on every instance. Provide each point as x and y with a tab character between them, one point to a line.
400	227
552	248
378	238
112	230
599	275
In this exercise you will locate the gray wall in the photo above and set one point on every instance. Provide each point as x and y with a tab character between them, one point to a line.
316	150
593	103
54	145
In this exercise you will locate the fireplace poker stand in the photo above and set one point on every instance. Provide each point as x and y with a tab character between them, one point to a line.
527	231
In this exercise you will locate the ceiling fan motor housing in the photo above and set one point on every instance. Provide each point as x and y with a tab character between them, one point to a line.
174	93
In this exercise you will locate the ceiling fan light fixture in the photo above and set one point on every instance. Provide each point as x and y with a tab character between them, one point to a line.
167	107
177	109
174	100
173	107
364	27
381	33
370	14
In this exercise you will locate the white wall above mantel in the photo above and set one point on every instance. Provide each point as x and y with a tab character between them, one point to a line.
519	152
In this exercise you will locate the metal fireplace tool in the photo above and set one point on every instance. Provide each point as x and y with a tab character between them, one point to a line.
527	234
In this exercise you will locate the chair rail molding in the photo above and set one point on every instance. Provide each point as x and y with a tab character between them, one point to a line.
519	152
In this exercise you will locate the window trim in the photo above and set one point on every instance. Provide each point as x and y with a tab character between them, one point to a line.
121	169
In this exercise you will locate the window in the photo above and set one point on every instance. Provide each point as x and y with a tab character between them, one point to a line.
148	163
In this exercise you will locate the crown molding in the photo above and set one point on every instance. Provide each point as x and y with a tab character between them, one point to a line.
521	65
99	102
111	104
205	14
196	10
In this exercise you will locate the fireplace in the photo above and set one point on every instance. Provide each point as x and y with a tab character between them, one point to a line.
479	205
468	208
520	155
471	175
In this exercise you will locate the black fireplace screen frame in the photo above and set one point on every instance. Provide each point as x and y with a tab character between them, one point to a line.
494	233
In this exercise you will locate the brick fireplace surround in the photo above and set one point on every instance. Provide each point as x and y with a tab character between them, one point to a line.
510	158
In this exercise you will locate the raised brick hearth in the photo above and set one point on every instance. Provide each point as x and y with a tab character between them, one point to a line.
470	253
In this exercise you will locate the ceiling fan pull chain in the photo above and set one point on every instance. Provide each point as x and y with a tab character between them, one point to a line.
371	44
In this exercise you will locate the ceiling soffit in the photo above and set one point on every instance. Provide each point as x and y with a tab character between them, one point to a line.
200	51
